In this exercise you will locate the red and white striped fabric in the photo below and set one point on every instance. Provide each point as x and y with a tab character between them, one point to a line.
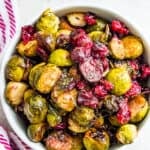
8	27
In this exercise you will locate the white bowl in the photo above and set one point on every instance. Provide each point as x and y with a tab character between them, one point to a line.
15	121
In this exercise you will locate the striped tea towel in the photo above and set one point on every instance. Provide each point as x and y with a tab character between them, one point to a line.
8	27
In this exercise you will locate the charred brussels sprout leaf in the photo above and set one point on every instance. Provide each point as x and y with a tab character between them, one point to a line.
36	131
35	109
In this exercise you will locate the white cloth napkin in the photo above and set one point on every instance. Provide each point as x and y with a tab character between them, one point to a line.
8	27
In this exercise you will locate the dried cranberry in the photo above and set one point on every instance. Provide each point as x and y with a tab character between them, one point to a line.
79	54
100	91
134	90
118	27
99	50
145	71
105	63
81	85
124	114
27	33
91	69
90	19
42	54
80	38
134	64
86	98
107	85
60	126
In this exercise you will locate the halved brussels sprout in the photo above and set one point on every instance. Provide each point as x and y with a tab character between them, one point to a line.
28	49
83	115
48	22
133	46
43	77
63	32
53	118
35	109
60	57
99	26
66	100
36	131
126	133
138	107
59	140
96	140
15	68
14	92
120	79
46	40
76	19
117	48
75	127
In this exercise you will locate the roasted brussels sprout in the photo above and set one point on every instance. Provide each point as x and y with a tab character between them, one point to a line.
28	93
28	49
48	22
120	79
48	41
60	57
35	109
96	140
14	92
126	133
53	118
83	115
75	127
76	19
66	100
15	68
133	46
43	77
59	140
117	48
138	107
36	131
99	26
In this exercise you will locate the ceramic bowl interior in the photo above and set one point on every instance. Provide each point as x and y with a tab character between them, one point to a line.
14	120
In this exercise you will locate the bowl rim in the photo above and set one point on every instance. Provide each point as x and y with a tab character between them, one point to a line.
12	121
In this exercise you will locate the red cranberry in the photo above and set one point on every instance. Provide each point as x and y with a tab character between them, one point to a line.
145	69
134	64
107	85
100	91
105	63
80	38
118	27
86	98
90	19
42	54
123	115
91	69
134	90
60	126
80	85
27	33
79	54
99	50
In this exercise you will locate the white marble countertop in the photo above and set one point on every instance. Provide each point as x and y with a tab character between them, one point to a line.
137	10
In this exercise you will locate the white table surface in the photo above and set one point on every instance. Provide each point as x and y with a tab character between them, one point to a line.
137	10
